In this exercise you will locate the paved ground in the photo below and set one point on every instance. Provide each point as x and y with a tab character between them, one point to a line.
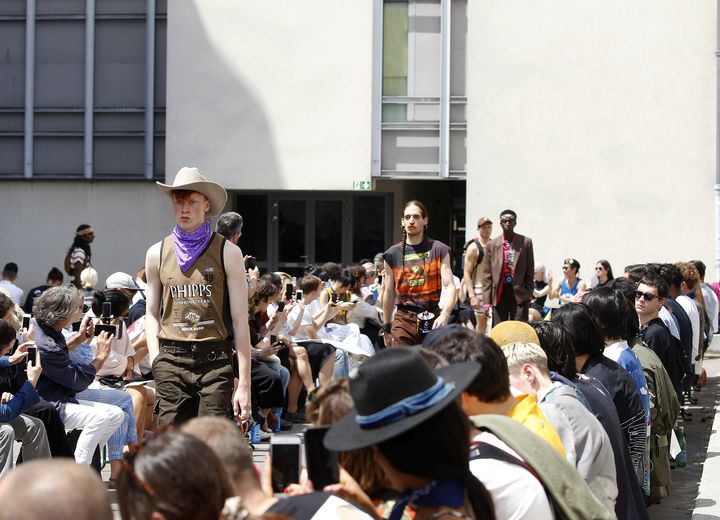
696	487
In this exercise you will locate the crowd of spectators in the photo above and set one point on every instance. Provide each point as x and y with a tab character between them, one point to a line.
571	415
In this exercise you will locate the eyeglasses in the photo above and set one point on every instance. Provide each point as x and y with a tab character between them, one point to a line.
565	267
648	297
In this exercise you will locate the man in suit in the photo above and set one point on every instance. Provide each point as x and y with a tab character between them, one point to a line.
508	275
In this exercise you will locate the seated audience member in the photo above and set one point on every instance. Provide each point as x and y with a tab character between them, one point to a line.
664	407
512	331
56	309
54	278
582	333
305	320
109	385
139	305
370	287
485	401
120	367
522	407
266	372
128	286
306	362
7	282
88	283
609	310
516	492
330	403
225	440
13	377
14	426
338	293
149	487
422	449
561	364
57	489
673	315
586	443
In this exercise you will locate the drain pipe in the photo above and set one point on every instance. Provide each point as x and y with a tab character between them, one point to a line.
717	145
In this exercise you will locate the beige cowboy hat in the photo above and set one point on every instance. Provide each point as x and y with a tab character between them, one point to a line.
190	178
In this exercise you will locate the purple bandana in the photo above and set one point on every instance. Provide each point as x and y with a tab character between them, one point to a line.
189	246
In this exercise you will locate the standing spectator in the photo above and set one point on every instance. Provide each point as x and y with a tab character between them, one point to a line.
54	278
197	308
711	299
474	268
581	330
587	445
416	269
649	297
9	275
79	255
508	276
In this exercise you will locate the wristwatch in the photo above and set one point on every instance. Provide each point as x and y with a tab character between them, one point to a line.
385	328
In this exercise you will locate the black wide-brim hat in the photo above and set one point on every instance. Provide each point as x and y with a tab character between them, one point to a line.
388	378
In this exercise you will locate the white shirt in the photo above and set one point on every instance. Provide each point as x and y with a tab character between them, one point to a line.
691	310
711	305
292	318
13	290
516	493
668	320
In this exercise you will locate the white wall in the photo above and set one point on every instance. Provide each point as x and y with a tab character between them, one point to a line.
40	218
595	121
271	94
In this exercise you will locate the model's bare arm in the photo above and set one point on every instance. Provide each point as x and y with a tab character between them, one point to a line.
487	277
389	294
238	296
450	292
153	293
471	256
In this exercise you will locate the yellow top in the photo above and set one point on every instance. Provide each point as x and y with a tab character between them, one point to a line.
528	413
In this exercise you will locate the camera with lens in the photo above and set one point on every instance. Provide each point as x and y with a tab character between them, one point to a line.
250	263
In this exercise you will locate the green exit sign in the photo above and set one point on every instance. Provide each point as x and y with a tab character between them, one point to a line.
362	185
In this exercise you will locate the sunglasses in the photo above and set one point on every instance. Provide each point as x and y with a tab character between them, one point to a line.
648	297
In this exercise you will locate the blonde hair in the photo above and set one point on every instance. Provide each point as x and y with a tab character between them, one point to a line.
518	354
88	278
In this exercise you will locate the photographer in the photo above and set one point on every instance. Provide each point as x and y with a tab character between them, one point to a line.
61	379
14	426
110	385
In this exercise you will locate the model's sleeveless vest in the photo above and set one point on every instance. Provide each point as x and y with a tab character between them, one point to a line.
195	304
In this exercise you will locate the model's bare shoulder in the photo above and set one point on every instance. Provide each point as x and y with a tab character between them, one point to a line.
152	257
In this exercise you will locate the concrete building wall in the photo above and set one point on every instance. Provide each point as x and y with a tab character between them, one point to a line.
40	218
270	95
595	121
